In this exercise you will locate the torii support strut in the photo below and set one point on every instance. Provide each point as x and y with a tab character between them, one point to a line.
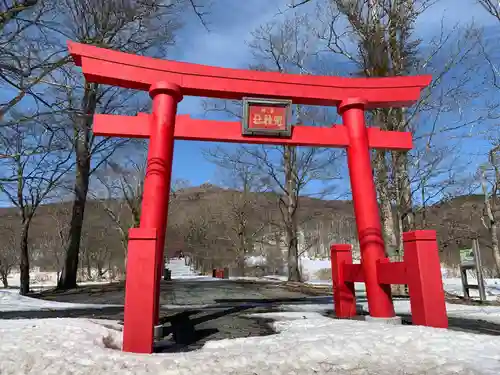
167	82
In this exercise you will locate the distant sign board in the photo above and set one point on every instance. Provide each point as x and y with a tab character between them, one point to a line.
268	117
466	255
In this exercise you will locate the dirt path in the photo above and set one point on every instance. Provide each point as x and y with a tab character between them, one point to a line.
178	292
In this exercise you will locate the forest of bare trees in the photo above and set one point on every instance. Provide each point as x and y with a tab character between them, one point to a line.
71	196
48	147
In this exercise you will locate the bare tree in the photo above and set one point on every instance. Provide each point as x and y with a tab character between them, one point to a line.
376	39
492	7
490	184
490	171
243	220
24	63
142	27
51	243
123	186
286	170
385	45
10	9
122	197
204	236
34	163
9	253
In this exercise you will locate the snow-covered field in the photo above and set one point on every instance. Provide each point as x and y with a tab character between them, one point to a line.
453	285
492	288
40	280
305	343
309	267
10	300
402	307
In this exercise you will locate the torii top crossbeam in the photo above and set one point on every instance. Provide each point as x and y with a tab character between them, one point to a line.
130	71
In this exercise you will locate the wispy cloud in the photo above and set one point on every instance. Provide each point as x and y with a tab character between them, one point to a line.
231	25
450	13
225	44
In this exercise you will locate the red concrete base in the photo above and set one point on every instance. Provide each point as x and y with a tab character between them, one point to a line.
343	291
420	270
139	319
425	283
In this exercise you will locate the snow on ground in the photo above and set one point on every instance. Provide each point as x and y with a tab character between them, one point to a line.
454	286
11	300
306	343
40	280
451	285
310	268
196	278
268	278
402	307
255	260
486	313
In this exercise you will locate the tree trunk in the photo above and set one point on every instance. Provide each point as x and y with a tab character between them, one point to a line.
293	256
423	214
70	269
386	213
291	197
5	281
406	221
495	246
25	261
83	148
112	271
89	266
241	264
279	267
242	251
124	242
384	188
100	271
405	215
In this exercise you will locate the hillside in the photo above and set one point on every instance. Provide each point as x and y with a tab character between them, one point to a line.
205	211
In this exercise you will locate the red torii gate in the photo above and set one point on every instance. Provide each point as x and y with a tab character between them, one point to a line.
168	81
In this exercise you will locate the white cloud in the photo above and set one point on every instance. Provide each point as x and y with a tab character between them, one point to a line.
231	24
232	21
451	13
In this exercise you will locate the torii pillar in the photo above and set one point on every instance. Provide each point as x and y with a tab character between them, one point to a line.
366	210
143	307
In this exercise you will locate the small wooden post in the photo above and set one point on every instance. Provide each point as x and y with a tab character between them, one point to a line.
479	269
474	264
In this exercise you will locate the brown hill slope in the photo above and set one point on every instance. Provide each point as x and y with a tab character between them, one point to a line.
456	222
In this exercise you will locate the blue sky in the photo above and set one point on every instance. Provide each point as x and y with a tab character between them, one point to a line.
231	24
